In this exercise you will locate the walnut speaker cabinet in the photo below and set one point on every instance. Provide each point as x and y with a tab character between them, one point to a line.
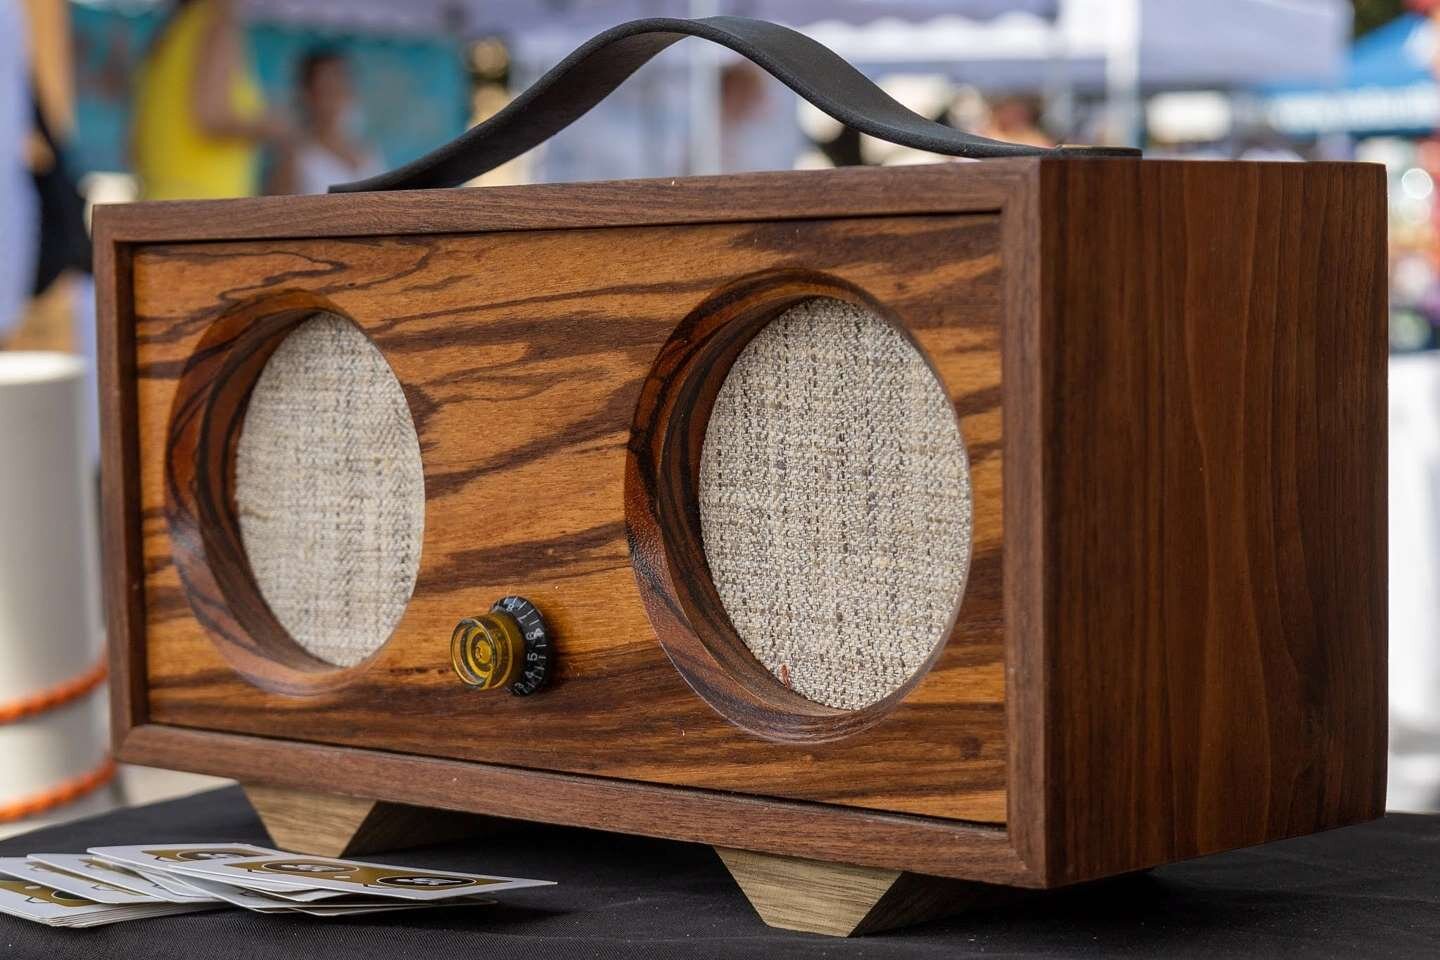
903	533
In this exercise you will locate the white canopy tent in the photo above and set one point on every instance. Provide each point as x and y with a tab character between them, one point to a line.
1175	43
1004	43
566	19
1118	48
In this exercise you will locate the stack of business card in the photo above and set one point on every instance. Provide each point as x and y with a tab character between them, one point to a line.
109	884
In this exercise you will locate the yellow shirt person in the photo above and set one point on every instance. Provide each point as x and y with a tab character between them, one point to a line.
200	118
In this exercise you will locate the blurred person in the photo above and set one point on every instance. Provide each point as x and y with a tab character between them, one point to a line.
758	126
200	118
18	202
46	205
968	110
63	238
1016	120
328	149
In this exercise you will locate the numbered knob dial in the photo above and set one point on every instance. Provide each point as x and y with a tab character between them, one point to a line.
507	647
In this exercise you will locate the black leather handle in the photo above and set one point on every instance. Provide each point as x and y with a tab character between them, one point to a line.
601	64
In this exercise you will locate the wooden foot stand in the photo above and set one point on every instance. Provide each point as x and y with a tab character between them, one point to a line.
848	901
332	826
810	895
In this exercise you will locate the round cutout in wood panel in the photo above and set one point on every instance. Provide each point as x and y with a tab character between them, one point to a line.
834	502
329	491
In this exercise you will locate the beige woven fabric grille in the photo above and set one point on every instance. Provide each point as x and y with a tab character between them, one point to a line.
330	491
835	503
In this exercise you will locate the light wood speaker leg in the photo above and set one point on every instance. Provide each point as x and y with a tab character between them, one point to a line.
847	901
327	825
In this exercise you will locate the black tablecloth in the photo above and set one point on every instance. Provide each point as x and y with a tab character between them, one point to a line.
1366	891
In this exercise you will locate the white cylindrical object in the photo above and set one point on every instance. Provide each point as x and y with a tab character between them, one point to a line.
1414	780
50	627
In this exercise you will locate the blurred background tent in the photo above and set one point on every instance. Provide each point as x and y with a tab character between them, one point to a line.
411	59
1387	86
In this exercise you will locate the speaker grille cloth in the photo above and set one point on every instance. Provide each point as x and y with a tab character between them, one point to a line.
330	491
835	503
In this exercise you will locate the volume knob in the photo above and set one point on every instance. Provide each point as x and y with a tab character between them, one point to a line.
508	646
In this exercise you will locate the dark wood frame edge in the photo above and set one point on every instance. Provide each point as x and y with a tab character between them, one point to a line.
811	830
788	195
1027	707
1015	854
119	485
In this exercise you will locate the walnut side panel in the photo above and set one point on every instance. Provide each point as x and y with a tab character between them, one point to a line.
522	355
1214	350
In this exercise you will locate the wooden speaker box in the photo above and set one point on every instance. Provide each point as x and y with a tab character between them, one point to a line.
1018	522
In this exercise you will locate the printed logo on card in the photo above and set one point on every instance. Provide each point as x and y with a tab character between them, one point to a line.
365	875
211	853
39	893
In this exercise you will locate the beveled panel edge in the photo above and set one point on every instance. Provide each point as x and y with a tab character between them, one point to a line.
783	195
1027	703
122	581
926	845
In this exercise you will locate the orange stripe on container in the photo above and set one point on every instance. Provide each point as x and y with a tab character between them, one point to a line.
56	696
59	795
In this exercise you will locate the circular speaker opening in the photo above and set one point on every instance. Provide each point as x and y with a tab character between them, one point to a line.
329	491
834	502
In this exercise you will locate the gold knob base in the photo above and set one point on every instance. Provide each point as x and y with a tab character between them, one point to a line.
488	651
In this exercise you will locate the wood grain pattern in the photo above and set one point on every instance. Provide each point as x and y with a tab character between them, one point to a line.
841	900
1027	711
1180	639
1214	528
524	380
662	481
208	552
812	195
119	489
722	818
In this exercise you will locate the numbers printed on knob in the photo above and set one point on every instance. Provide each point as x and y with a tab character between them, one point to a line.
486	651
537	644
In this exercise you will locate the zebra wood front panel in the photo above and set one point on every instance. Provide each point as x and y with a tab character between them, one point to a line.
527	359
